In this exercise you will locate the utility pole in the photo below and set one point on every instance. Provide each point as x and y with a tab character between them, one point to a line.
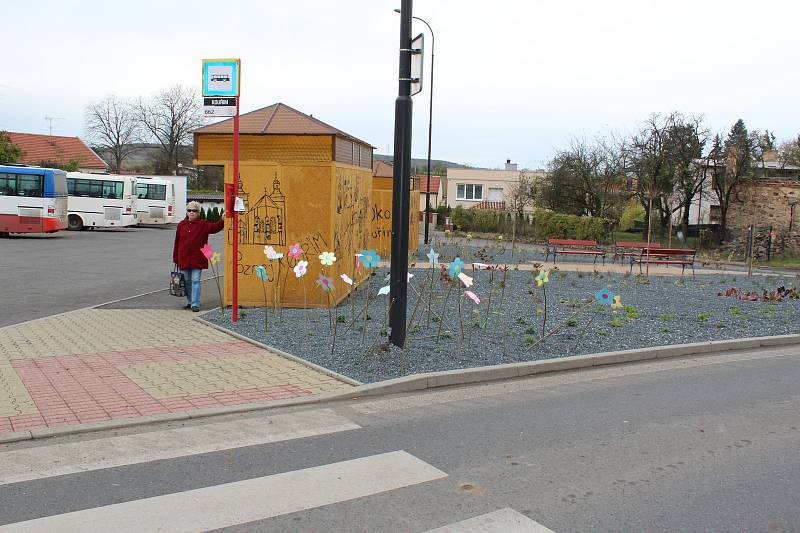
398	275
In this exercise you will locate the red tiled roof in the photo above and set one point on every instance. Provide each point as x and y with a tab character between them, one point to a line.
423	183
381	169
277	119
37	148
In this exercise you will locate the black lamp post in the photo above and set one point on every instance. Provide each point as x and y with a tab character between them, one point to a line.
430	127
398	275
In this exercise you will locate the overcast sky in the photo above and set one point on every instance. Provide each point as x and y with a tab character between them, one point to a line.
514	79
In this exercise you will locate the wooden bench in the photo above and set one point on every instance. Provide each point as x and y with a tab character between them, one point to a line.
623	249
574	247
665	256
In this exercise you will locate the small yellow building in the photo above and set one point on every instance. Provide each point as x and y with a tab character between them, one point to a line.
303	182
381	211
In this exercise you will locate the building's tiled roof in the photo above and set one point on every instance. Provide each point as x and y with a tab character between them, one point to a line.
423	183
381	169
55	149
204	196
277	119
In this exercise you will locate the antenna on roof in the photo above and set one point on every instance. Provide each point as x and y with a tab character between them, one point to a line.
51	119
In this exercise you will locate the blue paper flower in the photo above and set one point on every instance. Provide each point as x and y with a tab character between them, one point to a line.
369	258
604	297
456	267
261	273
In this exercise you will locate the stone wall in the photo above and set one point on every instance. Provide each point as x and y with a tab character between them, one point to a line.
770	204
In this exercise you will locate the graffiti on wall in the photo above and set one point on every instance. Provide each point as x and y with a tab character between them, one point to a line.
264	221
350	225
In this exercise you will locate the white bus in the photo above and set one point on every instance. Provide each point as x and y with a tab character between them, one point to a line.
100	200
156	201
32	199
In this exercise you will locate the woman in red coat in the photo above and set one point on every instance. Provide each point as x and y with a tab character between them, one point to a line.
191	235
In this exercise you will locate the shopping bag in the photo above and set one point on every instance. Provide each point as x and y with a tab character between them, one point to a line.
177	283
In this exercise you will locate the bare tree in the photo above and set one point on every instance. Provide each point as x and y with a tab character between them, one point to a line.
687	140
587	178
661	159
112	124
169	118
789	152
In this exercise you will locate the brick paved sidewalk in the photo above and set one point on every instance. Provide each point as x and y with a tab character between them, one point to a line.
94	365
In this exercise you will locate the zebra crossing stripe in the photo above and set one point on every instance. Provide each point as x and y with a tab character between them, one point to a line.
85	455
245	501
503	521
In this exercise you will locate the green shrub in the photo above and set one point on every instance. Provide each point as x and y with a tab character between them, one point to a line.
634	212
541	225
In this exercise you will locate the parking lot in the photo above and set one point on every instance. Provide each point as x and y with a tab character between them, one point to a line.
47	274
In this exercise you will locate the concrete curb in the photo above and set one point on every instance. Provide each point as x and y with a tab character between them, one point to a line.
320	369
420	382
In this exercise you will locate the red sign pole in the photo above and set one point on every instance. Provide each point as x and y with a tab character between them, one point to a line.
235	232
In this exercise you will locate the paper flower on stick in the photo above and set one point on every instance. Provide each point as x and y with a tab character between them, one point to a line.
261	273
617	303
410	275
542	278
295	251
466	280
325	283
480	266
433	258
370	258
384	290
456	267
327	258
270	252
206	251
300	269
346	279
472	296
215	258
604	297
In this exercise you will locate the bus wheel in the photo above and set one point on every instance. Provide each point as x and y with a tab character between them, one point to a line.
75	223
3	234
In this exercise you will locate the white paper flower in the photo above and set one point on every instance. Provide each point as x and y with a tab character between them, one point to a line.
300	269
270	252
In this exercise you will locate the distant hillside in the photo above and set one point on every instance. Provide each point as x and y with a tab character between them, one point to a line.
423	163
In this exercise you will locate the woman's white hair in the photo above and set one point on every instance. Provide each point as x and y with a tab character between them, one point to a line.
193	205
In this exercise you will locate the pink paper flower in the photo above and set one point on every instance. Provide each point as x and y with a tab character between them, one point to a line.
295	250
472	296
346	279
325	283
207	251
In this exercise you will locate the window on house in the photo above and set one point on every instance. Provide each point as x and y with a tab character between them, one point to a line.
715	215
469	191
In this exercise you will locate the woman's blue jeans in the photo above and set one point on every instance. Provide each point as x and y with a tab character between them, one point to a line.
191	277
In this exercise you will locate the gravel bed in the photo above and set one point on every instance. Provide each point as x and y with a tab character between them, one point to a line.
661	311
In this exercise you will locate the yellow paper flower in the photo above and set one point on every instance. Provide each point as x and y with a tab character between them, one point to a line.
327	258
542	278
215	258
617	302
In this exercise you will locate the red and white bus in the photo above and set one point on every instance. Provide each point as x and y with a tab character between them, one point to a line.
32	199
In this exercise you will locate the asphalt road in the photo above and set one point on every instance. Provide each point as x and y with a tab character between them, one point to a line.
48	274
693	444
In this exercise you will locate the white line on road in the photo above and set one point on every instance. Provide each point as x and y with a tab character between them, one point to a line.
503	521
84	455
245	501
